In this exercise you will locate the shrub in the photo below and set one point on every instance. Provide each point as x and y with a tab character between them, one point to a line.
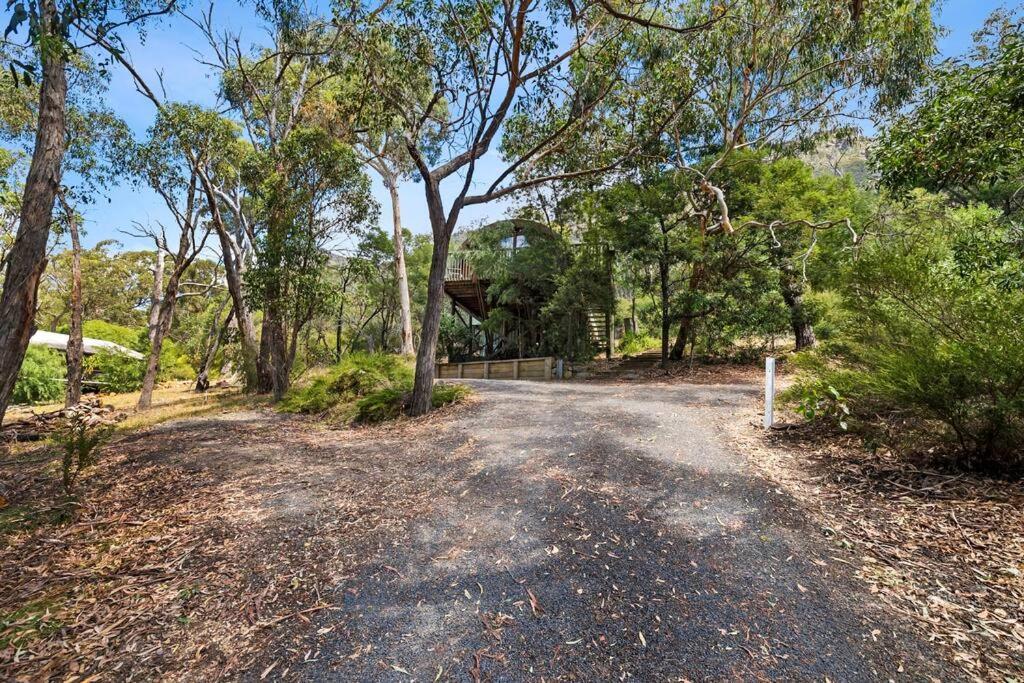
632	343
130	337
41	377
357	375
365	387
174	362
116	372
930	351
82	432
389	404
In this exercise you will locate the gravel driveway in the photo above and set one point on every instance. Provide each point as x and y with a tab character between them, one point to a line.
609	531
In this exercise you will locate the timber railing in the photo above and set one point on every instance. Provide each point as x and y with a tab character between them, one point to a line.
546	368
458	267
459	264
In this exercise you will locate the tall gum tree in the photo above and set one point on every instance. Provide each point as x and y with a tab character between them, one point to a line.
770	74
180	141
275	91
475	66
386	155
56	31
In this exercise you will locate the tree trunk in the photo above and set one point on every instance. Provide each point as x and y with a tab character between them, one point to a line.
423	388
156	292
73	352
26	259
792	287
632	311
213	343
686	324
666	323
339	323
280	366
403	281
234	268
164	317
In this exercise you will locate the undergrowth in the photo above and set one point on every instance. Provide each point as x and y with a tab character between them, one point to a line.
366	388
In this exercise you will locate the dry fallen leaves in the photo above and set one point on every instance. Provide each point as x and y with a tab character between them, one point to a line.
945	550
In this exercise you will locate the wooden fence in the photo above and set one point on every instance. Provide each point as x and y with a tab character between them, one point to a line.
518	368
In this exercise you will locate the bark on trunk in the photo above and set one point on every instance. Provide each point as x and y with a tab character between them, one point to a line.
400	274
26	259
156	293
423	388
217	330
233	270
665	321
339	323
164	317
686	324
424	385
793	294
73	351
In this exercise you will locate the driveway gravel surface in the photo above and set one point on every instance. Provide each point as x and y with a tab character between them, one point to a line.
608	532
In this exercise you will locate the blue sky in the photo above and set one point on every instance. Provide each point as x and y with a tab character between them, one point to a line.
169	48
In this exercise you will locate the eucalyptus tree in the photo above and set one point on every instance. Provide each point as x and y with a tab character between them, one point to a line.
965	134
56	32
385	153
770	74
179	142
277	92
457	73
642	217
323	195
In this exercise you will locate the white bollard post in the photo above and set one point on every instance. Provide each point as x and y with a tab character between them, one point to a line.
769	391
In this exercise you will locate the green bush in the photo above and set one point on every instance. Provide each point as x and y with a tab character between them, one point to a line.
929	351
357	375
174	361
389	404
41	378
632	344
364	387
115	372
130	337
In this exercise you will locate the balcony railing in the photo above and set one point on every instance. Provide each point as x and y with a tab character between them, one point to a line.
458	267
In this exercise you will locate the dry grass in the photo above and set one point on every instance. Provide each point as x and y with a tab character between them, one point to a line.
202	548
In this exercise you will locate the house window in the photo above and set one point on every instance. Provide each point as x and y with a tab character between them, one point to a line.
514	242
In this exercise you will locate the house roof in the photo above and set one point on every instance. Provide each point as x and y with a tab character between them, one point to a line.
55	340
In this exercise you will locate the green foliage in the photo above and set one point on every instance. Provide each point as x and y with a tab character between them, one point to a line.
41	378
174	362
81	434
634	343
966	136
115	287
357	375
115	372
816	399
390	404
364	387
929	348
119	373
129	337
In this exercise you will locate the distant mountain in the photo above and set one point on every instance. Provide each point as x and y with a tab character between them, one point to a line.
841	157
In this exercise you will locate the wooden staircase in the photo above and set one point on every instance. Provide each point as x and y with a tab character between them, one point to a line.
597	321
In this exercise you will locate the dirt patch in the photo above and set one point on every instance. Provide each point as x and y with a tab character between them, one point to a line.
945	549
203	544
678	372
